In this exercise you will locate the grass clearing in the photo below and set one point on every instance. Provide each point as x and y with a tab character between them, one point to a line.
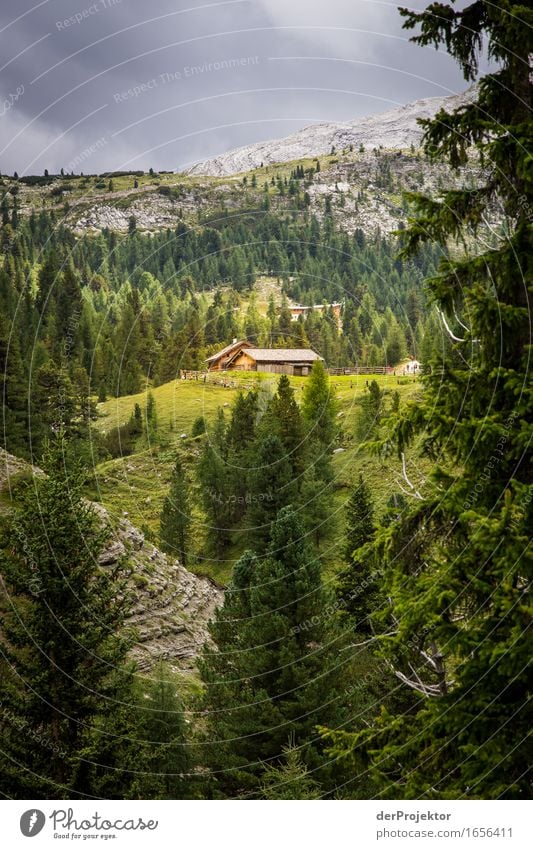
137	485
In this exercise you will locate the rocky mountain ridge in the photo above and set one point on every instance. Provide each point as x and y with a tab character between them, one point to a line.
359	172
394	129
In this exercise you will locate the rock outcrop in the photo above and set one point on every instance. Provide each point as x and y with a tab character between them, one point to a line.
171	606
395	129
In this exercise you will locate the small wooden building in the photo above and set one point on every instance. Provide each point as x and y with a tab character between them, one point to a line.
299	310
220	360
242	356
412	367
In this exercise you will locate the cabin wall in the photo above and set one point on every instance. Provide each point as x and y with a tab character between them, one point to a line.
276	368
243	362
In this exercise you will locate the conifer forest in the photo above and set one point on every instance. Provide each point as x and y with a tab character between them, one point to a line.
266	480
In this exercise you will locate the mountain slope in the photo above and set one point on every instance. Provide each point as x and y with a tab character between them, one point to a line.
394	129
170	606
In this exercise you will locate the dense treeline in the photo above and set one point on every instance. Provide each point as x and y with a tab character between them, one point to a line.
408	676
268	455
276	666
99	315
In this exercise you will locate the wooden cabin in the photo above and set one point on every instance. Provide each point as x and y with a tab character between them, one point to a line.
299	310
220	360
242	356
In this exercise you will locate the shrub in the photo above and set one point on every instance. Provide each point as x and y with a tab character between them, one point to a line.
199	426
120	441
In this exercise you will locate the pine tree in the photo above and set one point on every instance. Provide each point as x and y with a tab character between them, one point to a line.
290	780
14	398
287	423
61	637
68	310
240	457
315	501
48	279
456	566
359	519
271	673
176	516
271	485
159	745
369	417
319	408
215	485
151	417
359	580
396	347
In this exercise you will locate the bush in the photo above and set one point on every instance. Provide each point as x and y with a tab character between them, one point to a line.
120	441
199	426
57	191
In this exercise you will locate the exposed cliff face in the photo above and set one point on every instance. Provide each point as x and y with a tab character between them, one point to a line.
394	129
171	605
364	183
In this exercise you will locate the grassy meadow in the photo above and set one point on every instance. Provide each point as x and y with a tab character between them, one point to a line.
137	484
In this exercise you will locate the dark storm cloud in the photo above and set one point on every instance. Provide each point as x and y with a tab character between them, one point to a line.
121	83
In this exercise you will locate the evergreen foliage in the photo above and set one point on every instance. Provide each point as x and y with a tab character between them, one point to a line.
176	516
160	746
271	485
127	309
271	673
215	485
290	780
359	579
457	568
63	642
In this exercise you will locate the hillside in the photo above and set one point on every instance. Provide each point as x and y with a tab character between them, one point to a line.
171	606
394	129
361	170
137	484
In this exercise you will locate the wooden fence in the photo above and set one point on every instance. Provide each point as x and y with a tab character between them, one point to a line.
362	370
223	378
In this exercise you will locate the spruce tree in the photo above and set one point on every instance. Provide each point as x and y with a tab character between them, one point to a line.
287	423
290	780
359	519
272	672
456	568
315	502
215	485
160	752
239	438
271	485
319	409
359	578
151	417
176	516
14	398
370	413
62	637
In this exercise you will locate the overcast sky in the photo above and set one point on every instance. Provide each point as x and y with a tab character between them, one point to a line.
166	83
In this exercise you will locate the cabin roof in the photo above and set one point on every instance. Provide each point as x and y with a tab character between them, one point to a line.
282	355
243	343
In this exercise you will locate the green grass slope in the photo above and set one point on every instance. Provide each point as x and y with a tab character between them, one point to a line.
136	485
